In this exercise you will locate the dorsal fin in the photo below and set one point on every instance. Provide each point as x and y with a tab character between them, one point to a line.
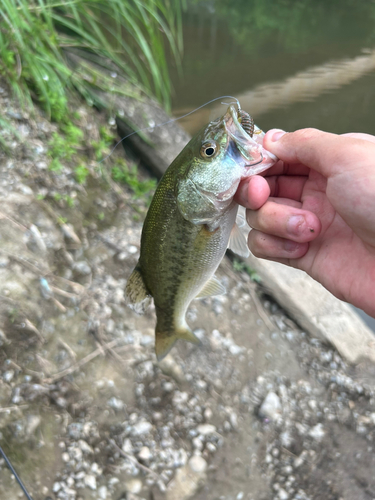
237	242
137	296
211	288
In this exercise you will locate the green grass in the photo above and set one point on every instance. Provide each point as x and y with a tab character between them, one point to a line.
240	266
125	174
40	41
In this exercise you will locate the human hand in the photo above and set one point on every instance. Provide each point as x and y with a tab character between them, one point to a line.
315	210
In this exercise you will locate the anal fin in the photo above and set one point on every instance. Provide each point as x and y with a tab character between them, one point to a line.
211	288
137	296
237	242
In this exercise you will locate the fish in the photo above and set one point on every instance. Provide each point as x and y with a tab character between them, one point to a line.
191	222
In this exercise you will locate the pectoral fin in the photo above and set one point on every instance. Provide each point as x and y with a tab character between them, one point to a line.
240	220
137	296
211	288
237	242
165	341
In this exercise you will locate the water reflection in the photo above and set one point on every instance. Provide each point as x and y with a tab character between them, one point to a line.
305	86
273	55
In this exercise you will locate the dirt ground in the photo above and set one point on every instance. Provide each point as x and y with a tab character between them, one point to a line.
259	411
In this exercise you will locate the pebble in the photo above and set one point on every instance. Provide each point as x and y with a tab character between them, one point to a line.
197	464
206	429
102	492
116	404
56	487
141	428
144	454
82	268
197	443
8	375
134	486
86	448
317	432
283	495
90	481
271	407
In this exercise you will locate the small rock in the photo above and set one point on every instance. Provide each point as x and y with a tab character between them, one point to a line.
188	480
142	427
271	407
56	487
90	481
8	375
283	495
206	429
144	454
197	443
102	492
82	268
86	448
317	432
116	404
208	414
134	486
211	447
197	464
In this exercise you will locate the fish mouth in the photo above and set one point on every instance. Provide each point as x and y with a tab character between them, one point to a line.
250	150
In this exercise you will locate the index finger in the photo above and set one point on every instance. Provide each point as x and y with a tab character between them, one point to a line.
326	153
284	168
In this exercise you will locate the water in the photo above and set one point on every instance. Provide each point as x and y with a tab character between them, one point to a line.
291	64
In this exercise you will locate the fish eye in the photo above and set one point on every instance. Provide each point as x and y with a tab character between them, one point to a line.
209	149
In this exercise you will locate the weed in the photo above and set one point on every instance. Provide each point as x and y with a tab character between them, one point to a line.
62	220
55	165
102	146
64	144
81	172
240	266
13	314
64	197
124	174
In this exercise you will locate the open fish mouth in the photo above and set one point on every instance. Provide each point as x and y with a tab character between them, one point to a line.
257	159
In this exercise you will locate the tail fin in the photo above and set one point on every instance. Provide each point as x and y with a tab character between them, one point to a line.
165	341
137	296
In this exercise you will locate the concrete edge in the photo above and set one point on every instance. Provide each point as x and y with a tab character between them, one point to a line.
317	310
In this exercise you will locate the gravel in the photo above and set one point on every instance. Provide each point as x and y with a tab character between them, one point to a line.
259	411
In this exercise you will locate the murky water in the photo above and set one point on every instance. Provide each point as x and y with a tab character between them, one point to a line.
291	65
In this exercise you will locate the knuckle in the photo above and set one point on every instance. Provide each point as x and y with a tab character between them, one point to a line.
306	134
256	243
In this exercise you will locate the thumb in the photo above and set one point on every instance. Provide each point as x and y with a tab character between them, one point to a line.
328	154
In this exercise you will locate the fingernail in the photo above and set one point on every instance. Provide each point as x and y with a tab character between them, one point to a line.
295	225
277	135
291	246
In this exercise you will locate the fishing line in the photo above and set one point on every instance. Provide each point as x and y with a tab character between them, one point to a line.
7	461
171	121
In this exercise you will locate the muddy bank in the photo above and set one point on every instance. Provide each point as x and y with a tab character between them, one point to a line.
260	410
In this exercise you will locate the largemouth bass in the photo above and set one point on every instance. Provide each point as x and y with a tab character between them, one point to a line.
190	222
